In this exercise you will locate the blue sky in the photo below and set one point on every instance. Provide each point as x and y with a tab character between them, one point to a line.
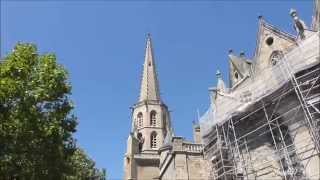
101	43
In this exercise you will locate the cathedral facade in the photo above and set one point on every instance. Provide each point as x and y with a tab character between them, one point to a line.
265	124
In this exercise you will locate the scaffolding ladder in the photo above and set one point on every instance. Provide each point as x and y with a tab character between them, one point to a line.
306	86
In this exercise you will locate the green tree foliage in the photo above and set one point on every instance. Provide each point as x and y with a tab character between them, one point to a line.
36	120
84	167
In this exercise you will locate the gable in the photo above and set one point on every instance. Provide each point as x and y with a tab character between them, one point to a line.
239	67
269	40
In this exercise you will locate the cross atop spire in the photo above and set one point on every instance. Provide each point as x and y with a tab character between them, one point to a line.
149	89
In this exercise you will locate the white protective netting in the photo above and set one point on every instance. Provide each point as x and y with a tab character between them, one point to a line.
305	55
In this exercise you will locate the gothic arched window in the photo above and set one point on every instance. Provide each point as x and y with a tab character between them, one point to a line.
153	140
275	57
153	118
140	119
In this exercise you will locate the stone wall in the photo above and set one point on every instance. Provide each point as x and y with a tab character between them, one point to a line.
182	160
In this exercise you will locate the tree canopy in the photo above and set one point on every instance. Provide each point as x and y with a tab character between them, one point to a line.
37	121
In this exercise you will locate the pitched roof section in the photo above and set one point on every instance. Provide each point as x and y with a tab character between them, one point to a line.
149	89
239	64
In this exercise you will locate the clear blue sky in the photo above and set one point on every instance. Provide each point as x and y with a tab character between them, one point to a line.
102	43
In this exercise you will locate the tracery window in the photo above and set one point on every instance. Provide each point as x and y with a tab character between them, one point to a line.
275	57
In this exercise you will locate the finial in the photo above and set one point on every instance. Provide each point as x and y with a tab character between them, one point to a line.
260	16
293	12
230	51
241	53
218	74
149	35
299	25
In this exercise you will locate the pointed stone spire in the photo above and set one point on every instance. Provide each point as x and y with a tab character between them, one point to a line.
149	89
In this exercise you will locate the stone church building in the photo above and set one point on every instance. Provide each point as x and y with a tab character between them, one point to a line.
153	152
265	124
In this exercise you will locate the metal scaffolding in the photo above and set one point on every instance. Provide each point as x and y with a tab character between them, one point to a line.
278	135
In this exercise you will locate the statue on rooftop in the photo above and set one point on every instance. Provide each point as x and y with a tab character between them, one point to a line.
299	25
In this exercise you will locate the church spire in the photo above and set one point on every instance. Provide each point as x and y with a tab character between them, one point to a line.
149	89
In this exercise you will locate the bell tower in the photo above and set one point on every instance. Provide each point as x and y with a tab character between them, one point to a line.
150	124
